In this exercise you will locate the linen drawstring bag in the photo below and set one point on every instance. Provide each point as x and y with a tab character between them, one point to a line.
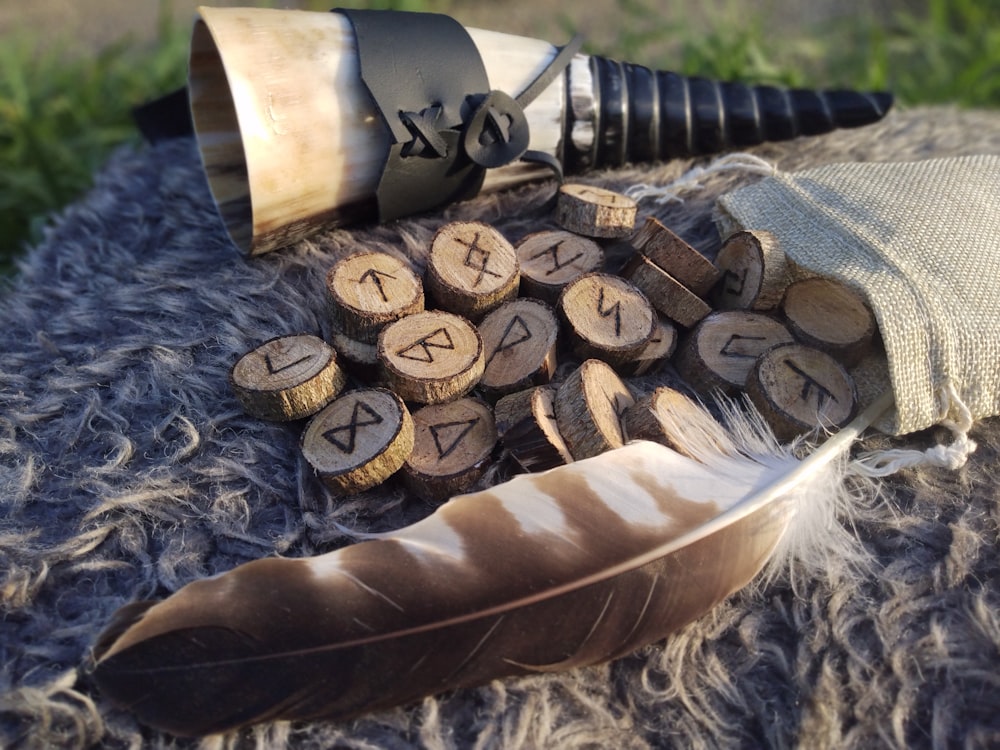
921	241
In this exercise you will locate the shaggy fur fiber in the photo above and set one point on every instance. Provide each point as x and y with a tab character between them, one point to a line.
127	469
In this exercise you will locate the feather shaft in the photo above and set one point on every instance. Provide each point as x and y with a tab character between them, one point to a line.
548	571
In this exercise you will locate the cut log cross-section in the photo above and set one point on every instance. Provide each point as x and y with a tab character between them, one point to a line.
287	378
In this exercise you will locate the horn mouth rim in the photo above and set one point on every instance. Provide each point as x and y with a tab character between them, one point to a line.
216	120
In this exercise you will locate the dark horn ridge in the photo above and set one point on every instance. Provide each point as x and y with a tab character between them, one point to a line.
647	116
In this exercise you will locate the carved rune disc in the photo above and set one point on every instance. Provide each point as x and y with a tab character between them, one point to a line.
551	259
594	211
520	344
798	388
754	272
590	405
359	440
670	253
722	349
367	290
526	422
667	294
608	317
287	378
431	357
471	269
452	447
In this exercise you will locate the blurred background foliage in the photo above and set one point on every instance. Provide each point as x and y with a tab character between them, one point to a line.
66	94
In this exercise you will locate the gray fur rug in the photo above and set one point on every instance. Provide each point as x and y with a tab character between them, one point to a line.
127	469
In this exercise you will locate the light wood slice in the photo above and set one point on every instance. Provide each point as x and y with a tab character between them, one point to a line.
551	259
431	357
589	408
656	353
594	211
754	272
519	339
607	317
828	315
472	269
526	422
452	447
287	378
668	295
670	253
798	389
670	417
720	352
359	440
367	290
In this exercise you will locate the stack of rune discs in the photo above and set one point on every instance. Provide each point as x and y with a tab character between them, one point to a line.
444	365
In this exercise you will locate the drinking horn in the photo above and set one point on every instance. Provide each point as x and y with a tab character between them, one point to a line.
306	119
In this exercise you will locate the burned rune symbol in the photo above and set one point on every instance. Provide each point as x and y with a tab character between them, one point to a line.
557	264
273	369
823	394
437	339
375	276
605	198
619	407
742	278
445	449
478	259
516	332
615	309
728	350
351	428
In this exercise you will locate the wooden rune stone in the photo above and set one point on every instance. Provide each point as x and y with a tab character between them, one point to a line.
472	269
798	388
671	254
754	272
607	317
359	357
829	316
670	417
431	357
668	295
594	211
452	447
359	440
367	290
287	378
526	422
551	259
720	352
519	340
590	405
660	348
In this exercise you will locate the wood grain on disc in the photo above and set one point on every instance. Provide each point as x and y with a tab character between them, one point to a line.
798	388
551	259
720	352
359	440
526	423
754	272
595	212
519	339
589	406
608	317
471	269
828	315
367	290
452	447
431	357
667	294
287	378
670	253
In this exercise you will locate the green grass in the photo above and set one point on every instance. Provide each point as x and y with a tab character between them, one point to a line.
61	114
